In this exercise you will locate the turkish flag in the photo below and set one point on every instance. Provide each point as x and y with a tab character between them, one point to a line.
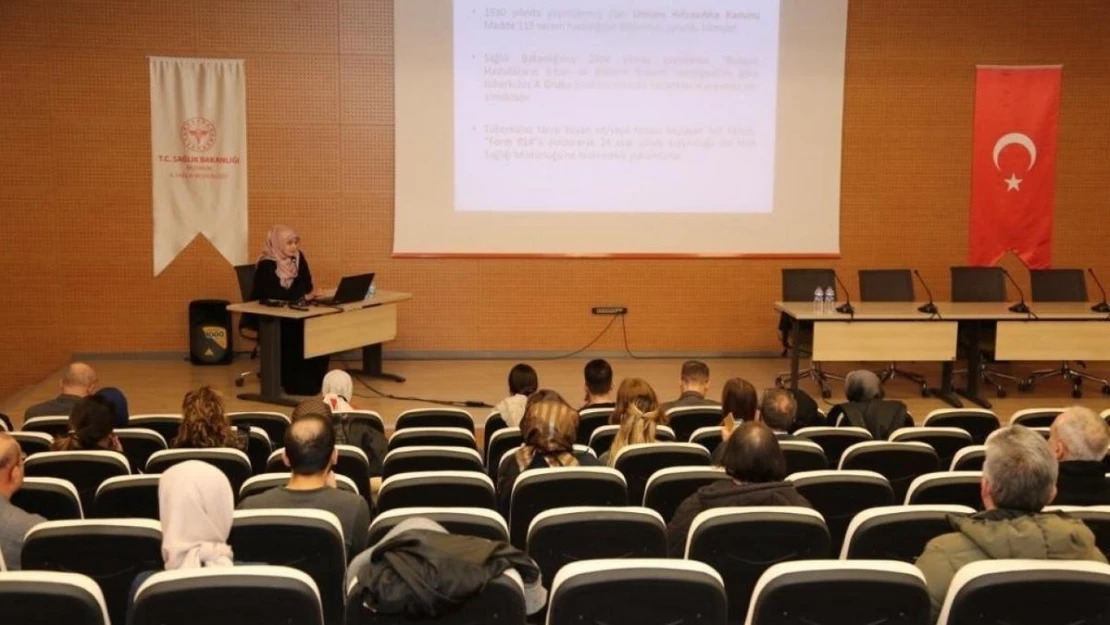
1013	164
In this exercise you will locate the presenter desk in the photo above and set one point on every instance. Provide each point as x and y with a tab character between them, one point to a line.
365	324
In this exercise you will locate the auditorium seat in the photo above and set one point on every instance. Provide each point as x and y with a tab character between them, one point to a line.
638	462
236	595
899	463
969	458
834	440
803	456
446	489
429	458
310	541
665	433
273	423
436	436
740	543
637	591
708	437
49	597
259	448
1035	417
841	495
33	442
234	464
840	592
897	532
110	551
434	418
601	439
165	424
264	482
944	440
494	423
352	462
139	444
978	422
505	439
127	496
667	488
86	470
1029	592
538	490
589	419
54	425
480	522
959	488
1096	518
560	536
53	498
369	418
501	602
685	419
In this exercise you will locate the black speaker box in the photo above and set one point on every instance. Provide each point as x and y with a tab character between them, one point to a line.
210	337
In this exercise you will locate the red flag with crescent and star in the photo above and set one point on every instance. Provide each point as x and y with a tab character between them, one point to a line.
1013	164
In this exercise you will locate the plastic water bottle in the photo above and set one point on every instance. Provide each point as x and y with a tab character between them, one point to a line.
370	292
819	301
830	300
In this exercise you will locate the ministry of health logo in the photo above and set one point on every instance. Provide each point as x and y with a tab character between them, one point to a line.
198	134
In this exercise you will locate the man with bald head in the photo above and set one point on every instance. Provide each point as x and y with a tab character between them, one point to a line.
1079	438
14	522
311	455
78	381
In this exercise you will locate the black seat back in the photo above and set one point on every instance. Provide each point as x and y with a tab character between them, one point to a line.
537	490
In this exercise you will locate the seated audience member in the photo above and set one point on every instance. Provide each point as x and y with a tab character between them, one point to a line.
195	506
311	455
523	381
367	438
633	393
1019	478
599	384
777	408
119	404
90	427
636	427
1079	439
78	381
205	425
866	407
337	390
693	386
549	430
754	461
739	404
14	522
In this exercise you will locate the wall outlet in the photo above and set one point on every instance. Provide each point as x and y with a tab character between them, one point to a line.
609	310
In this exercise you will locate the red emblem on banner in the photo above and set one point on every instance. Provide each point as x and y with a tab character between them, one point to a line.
198	134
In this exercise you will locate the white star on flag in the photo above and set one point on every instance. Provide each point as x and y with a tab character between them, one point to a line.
1013	183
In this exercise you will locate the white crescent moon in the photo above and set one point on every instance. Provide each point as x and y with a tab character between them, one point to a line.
1019	139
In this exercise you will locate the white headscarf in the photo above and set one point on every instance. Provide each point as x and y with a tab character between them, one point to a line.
337	390
196	506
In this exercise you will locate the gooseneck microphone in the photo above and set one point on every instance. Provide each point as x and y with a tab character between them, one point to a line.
928	307
1101	307
1019	307
846	308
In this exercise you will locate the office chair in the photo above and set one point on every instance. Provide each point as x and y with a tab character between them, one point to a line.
798	285
248	324
983	284
1062	285
890	285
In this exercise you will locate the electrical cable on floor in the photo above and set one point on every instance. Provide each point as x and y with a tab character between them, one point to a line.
627	350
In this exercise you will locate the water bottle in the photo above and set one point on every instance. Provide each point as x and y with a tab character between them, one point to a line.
819	301
370	292
830	300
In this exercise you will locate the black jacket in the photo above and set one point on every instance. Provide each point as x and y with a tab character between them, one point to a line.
878	416
1082	483
723	493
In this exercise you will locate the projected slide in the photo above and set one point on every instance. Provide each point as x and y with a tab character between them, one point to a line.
634	106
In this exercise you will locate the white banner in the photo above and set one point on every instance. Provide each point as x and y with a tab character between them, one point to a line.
198	138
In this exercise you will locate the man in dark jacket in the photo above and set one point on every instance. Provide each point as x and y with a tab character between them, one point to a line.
1079	439
693	387
754	461
866	407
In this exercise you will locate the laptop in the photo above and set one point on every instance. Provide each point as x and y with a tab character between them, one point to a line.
351	289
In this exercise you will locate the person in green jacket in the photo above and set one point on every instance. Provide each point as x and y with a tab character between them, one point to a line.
1019	479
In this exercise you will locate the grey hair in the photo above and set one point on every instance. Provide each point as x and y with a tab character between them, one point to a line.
777	409
1020	468
862	385
1083	432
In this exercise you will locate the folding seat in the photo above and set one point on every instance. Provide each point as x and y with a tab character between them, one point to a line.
945	441
273	423
638	462
1096	518
960	488
505	439
48	597
840	592
1028	592
684	420
834	440
494	423
637	591
235	464
899	463
501	602
50	497
127	497
259	448
434	436
969	458
602	438
740	543
560	536
421	458
667	488
708	437
480	522
1035	417
32	442
446	489
110	551
310	541
264	482
234	595
897	532
840	495
978	422
139	444
165	424
589	419
544	489
367	417
54	425
434	418
803	455
86	470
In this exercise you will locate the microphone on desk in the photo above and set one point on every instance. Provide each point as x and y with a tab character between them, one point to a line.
1101	307
846	308
1021	306
928	307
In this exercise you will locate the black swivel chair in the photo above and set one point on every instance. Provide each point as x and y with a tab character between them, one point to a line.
1062	285
798	285
982	284
891	285
248	324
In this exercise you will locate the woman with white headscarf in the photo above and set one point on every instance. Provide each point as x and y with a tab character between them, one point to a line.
195	504
337	390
